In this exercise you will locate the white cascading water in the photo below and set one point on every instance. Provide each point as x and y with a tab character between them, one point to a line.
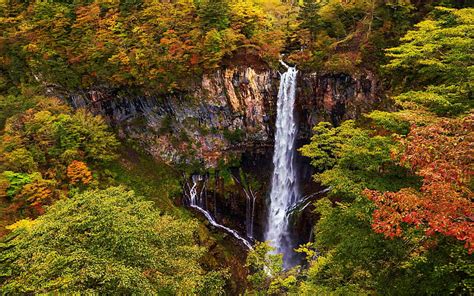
250	214
196	202
284	191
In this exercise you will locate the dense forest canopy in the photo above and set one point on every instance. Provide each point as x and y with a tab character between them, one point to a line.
160	44
82	211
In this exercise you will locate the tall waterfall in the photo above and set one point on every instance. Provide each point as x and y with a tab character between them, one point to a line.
197	202
284	191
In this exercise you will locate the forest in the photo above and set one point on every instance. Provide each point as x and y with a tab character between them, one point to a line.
237	147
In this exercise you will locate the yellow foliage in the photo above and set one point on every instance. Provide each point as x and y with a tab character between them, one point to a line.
23	224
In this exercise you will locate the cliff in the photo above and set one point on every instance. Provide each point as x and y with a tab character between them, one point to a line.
227	112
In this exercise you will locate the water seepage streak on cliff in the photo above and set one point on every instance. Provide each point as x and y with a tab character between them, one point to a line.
284	190
196	201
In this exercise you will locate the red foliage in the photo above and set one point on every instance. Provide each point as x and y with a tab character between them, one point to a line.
442	155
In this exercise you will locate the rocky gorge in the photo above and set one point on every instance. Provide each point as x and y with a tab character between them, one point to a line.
222	126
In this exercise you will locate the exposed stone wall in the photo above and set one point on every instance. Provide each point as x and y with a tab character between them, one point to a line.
226	112
335	98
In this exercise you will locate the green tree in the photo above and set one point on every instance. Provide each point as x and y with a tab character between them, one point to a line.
310	18
214	14
263	265
267	276
350	159
106	242
15	182
353	259
437	59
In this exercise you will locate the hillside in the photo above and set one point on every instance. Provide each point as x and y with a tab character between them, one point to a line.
250	147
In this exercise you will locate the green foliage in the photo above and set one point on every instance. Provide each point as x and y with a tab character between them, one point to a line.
21	160
325	144
346	35
310	18
248	18
437	58
389	121
51	136
267	276
104	242
11	105
263	265
350	159
16	181
214	14
147	177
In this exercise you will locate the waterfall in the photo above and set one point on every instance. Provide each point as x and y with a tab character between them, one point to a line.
252	217
197	202
284	191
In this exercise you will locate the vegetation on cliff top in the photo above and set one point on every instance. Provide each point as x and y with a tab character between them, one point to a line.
160	45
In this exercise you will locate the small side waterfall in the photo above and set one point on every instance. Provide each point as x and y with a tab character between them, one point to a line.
250	214
284	191
250	197
305	201
196	201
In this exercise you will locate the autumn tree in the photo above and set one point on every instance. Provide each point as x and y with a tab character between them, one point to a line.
35	195
78	172
46	147
441	154
152	45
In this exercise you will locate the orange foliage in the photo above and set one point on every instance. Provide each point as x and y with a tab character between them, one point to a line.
442	155
78	172
32	198
37	193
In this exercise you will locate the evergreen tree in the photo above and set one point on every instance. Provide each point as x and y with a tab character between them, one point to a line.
214	14
310	18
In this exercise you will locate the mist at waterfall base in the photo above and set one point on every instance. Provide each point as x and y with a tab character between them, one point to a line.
284	189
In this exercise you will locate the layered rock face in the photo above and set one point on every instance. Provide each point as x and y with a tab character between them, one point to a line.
334	98
227	112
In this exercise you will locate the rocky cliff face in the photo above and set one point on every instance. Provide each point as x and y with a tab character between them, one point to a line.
227	112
